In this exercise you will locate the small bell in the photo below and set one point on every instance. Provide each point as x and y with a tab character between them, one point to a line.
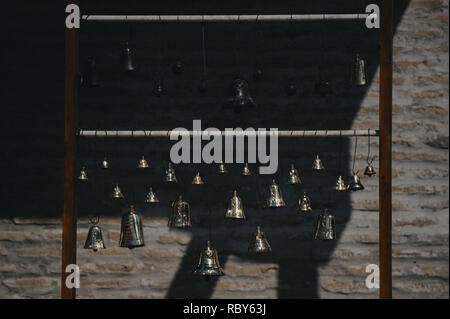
291	89
90	76
126	59
94	238
246	170
240	95
274	197
369	171
197	179
293	177
158	87
131	230
142	163
117	192
355	183
151	197
236	209
208	263
317	165
169	176
222	169
358	72
326	227
304	204
105	163
181	214
83	174
178	67
340	185
323	87
259	243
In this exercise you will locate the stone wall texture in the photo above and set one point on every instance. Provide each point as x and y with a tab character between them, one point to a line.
30	226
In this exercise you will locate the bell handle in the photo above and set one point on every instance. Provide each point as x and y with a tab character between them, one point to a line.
94	220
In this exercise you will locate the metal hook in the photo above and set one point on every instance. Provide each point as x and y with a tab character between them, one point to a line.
91	220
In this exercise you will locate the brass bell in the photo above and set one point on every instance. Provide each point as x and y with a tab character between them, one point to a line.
358	72
246	170
181	214
293	177
142	163
304	204
355	183
131	230
222	169
326	227
208	263
94	238
340	185
240	95
151	197
82	176
117	192
274	197
169	176
236	209
259	243
197	179
127	60
105	163
369	171
317	165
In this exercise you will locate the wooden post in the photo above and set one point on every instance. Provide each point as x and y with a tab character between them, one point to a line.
69	216
385	119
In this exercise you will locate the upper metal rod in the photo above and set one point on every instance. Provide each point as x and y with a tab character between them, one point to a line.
224	18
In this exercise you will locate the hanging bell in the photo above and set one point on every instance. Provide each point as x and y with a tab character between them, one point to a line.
274	197
236	209
151	197
240	95
326	227
142	163
197	179
222	169
90	76
181	214
293	177
131	230
94	238
126	58
105	163
117	192
355	183
82	176
178	67
208	263
158	87
246	170
369	171
169	176
304	204
259	243
340	185
317	165
291	89
358	72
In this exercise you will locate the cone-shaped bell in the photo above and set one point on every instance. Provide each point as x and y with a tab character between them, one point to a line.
131	230
208	263
90	76
158	87
105	163
290	89
82	176
197	179
142	163
94	239
274	197
317	165
246	170
358	74
340	185
293	177
355	183
259	243
236	209
369	171
240	95
323	87
151	197
326	227
180	216
117	192
178	67
222	169
304	204
127	59
169	176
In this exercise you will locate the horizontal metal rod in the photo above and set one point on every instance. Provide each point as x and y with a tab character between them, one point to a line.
283	133
224	18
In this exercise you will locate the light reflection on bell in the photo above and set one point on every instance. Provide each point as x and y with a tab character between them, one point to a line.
326	227
142	163
355	183
131	230
151	197
274	197
246	170
369	171
293	177
117	192
208	263
180	216
317	165
240	95
82	176
259	243
105	163
222	169
94	238
158	87
127	60
236	209
304	204
197	179
358	72
340	185
169	176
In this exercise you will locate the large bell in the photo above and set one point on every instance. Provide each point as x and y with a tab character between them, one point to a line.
369	171
274	197
142	163
208	263
240	95
304	204
180	216
259	243
94	238
170	176
82	176
197	179
222	169
131	230
105	163
358	72
246	170
326	227
151	197
317	165
117	192
236	209
90	76
127	59
340	185
158	87
293	177
355	183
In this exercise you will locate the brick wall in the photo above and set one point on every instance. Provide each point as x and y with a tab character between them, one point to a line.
30	225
